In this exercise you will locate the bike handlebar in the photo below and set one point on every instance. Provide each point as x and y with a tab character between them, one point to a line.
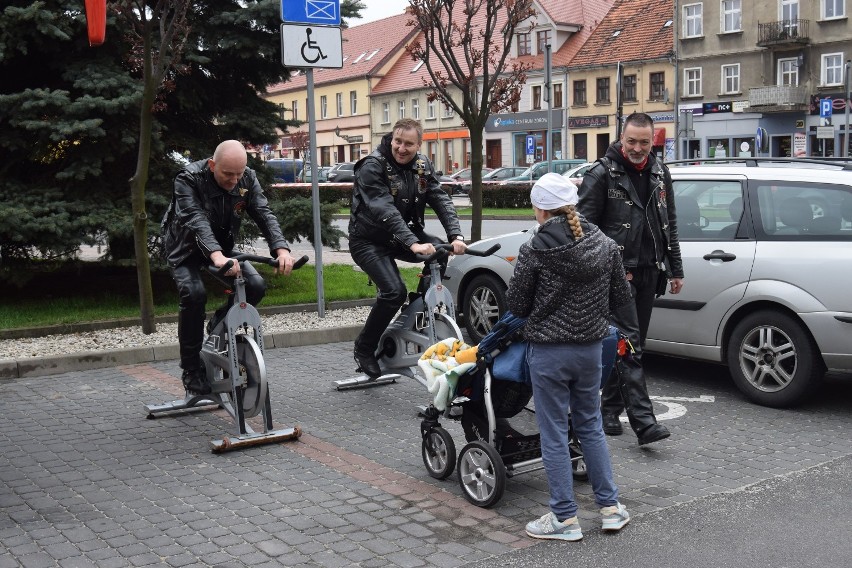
442	250
254	258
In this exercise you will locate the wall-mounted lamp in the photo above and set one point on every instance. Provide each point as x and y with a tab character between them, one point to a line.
800	59
337	133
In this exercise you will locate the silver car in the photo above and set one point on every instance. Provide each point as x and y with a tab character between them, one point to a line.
767	253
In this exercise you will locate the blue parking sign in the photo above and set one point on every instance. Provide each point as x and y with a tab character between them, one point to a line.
530	145
322	12
825	108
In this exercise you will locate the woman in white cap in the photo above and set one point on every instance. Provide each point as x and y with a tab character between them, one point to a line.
568	278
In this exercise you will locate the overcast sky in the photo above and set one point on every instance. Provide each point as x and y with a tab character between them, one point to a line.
378	9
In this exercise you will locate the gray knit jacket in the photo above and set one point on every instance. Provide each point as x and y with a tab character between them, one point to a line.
567	288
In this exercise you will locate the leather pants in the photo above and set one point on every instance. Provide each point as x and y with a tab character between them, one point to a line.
193	300
626	384
378	261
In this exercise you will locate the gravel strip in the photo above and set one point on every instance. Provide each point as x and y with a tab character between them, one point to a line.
124	337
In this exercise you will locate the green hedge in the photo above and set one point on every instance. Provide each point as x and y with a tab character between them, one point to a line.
497	196
337	193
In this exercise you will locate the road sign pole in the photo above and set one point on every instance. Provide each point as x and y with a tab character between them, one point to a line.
315	200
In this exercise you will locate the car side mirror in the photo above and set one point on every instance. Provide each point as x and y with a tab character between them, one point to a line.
439	173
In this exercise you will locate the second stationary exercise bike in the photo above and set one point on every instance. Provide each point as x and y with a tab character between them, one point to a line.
429	317
232	356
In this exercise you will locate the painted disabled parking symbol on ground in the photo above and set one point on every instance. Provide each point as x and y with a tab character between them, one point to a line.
673	405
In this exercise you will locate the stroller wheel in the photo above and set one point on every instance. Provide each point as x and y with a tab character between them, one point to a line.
579	470
439	453
578	464
482	475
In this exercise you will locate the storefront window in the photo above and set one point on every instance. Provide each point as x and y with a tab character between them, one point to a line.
718	148
745	147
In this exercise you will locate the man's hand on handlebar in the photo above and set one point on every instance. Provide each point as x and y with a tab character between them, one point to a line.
459	247
219	260
424	249
285	262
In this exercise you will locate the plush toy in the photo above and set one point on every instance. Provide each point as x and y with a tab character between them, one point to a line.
442	365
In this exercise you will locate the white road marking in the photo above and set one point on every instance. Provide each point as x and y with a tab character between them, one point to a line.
675	410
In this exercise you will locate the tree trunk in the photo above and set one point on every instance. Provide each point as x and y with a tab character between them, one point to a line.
476	183
138	183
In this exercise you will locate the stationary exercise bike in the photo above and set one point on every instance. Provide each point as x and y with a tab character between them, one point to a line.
232	355
429	317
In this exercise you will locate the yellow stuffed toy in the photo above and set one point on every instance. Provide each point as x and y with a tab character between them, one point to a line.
442	364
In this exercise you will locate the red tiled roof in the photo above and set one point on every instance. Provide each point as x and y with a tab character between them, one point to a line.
387	35
587	13
642	34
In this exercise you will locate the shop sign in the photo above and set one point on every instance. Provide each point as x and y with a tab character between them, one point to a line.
596	121
740	106
714	108
838	103
515	121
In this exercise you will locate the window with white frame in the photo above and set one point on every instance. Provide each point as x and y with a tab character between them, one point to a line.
449	112
788	72
732	16
832	69
789	15
415	109
731	79
535	97
692	82
401	105
557	95
323	106
339	104
693	25
353	103
385	113
833	9
524	44
430	109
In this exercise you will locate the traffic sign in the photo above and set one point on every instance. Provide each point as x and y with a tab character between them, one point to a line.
530	145
825	108
323	12
311	46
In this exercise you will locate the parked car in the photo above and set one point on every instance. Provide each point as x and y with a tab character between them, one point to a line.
767	253
494	176
460	184
322	174
576	174
535	171
342	172
284	170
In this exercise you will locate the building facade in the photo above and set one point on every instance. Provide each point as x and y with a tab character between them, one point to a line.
752	75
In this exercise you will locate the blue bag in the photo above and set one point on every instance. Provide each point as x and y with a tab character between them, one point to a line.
511	364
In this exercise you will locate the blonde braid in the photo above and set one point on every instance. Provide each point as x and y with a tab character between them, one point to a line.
574	222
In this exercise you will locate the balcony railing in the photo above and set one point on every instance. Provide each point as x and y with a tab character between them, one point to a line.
778	98
785	32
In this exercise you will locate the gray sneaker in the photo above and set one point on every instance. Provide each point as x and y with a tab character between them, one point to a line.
614	517
550	528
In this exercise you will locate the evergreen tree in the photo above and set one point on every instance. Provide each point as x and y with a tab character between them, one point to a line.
69	116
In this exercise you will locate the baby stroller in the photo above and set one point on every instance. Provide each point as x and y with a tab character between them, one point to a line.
501	435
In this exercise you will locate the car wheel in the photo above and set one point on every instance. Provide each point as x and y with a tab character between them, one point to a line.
484	302
773	359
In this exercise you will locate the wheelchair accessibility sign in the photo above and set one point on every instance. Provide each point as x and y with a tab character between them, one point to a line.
311	46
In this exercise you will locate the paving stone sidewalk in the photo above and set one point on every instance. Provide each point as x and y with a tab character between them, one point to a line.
87	480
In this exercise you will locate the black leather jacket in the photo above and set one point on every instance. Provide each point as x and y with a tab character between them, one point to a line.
609	200
387	201
203	217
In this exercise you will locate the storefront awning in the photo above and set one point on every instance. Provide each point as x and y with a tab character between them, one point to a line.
660	137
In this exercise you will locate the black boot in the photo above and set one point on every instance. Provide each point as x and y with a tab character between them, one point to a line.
195	381
367	364
653	433
612	425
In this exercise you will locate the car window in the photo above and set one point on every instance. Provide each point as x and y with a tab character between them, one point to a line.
708	209
804	210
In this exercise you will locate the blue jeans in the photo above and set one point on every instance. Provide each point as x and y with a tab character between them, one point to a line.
568	376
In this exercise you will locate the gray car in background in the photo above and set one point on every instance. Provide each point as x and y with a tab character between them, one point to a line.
767	253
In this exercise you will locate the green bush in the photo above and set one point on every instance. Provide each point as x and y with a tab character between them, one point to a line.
509	196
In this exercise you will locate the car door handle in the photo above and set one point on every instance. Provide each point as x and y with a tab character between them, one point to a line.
720	255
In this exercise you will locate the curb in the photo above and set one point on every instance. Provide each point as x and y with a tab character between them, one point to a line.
88	360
